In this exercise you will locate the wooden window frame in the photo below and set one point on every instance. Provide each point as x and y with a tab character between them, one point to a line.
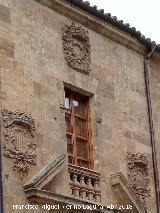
71	131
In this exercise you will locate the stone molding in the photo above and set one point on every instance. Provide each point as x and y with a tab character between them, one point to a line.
46	197
19	133
105	29
46	174
125	193
76	47
138	175
35	192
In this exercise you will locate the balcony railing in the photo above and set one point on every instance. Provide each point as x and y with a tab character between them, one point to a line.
84	183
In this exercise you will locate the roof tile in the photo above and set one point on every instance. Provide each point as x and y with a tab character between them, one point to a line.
85	5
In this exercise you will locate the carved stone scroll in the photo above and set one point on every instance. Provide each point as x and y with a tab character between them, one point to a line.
19	132
76	47
138	174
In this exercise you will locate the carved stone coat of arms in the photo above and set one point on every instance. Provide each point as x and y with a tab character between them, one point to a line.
19	133
76	47
138	174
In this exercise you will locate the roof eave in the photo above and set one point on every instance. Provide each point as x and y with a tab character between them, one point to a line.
114	21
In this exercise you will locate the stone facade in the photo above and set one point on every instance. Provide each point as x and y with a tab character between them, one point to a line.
107	66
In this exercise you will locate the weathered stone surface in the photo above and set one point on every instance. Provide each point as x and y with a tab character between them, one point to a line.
7	48
34	73
137	137
155	86
106	90
5	14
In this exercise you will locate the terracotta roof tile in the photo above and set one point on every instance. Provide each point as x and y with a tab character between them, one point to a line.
85	5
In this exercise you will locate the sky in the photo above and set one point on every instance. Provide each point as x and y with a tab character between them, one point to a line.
144	15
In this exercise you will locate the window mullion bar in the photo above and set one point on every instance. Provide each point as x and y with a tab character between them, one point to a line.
74	161
90	145
88	136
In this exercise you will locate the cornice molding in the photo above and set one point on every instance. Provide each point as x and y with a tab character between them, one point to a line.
46	174
90	21
43	197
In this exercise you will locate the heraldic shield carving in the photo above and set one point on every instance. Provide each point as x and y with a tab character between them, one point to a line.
76	47
138	174
19	133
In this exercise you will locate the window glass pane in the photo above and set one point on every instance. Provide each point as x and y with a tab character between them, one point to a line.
81	127
82	149
68	122
83	163
67	103
75	103
79	107
69	144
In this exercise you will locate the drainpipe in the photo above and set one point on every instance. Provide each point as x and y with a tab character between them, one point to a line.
152	135
1	183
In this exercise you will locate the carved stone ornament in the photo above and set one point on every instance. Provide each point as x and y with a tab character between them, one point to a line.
19	132
76	47
138	174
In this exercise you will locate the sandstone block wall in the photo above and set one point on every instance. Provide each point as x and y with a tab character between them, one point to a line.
32	76
154	76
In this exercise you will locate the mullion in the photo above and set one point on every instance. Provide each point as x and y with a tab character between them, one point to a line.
88	144
90	148
73	132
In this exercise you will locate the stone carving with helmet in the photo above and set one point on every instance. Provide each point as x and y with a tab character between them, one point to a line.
138	174
76	47
19	133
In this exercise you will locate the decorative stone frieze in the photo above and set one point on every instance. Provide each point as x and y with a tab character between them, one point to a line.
84	183
138	175
19	133
76	47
